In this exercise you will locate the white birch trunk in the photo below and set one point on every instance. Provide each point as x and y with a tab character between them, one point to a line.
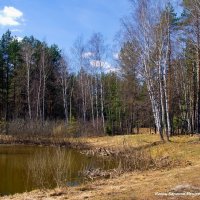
102	104
28	86
96	99
38	96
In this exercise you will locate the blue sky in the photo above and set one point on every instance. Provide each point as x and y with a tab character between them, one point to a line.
62	21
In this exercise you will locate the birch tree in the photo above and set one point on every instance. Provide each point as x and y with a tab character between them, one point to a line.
98	49
79	62
192	11
149	36
64	80
27	54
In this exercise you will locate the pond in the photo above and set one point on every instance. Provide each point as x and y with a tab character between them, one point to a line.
24	168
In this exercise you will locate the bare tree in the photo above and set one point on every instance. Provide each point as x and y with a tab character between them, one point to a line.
64	79
193	9
27	54
149	35
97	48
78	52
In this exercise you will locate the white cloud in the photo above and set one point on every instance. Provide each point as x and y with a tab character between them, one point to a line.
104	66
109	68
116	56
87	54
96	63
16	30
10	16
19	38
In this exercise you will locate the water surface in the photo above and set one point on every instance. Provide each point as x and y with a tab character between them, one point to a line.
20	166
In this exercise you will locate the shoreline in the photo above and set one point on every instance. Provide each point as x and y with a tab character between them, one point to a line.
127	185
135	185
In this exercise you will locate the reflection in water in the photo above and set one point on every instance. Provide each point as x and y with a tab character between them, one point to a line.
23	168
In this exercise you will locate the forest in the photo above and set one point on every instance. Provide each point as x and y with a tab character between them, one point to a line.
155	81
101	119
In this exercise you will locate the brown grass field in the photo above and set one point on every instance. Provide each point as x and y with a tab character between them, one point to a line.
149	184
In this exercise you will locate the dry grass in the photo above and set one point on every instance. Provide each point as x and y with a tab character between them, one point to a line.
25	129
49	166
142	186
181	147
138	184
121	141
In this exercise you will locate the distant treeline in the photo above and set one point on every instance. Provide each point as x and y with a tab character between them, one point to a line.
156	82
37	84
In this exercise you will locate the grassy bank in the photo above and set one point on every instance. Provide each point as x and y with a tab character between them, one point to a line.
136	184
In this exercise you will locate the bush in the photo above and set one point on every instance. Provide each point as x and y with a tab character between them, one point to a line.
49	169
